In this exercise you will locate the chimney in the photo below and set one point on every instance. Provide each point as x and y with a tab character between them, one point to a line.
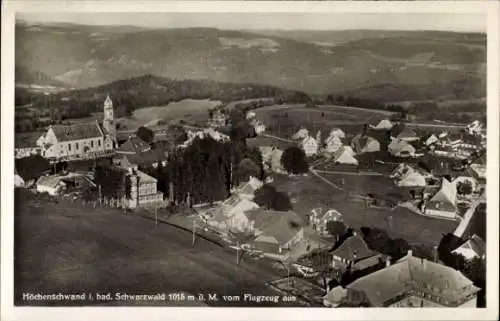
387	261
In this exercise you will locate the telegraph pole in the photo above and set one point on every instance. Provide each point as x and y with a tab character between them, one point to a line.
156	214
194	227
238	253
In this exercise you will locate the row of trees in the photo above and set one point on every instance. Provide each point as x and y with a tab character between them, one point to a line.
362	103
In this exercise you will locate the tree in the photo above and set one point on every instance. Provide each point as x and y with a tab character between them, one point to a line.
241	131
322	263
336	229
145	134
294	160
268	197
32	167
248	168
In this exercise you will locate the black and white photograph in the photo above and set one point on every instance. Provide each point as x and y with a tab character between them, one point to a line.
315	159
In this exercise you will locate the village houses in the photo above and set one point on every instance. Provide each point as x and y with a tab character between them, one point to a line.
319	219
410	282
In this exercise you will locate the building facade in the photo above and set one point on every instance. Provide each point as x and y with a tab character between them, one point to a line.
143	192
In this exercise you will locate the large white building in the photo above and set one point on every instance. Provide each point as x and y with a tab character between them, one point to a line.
80	141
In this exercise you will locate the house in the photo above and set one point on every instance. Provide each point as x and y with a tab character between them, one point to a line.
384	124
479	173
301	134
134	145
444	202
206	133
250	115
271	158
320	218
474	247
332	144
143	190
335	297
344	155
25	144
83	141
217	119
337	132
411	178
404	132
51	184
151	157
275	233
400	148
310	146
413	282
258	126
364	144
431	140
353	254
247	189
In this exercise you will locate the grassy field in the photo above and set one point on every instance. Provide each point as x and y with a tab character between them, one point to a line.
68	248
187	109
284	120
310	192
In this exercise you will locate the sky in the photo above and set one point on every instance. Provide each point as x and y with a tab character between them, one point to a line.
460	22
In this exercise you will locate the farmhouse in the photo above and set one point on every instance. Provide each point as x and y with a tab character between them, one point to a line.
217	119
134	145
50	184
81	140
401	148
364	144
431	140
209	132
403	132
413	282
474	247
320	218
411	178
310	146
332	144
300	134
383	124
275	232
444	202
152	158
337	132
344	155
258	126
271	158
354	254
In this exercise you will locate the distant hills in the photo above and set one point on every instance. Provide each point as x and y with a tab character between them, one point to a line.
426	65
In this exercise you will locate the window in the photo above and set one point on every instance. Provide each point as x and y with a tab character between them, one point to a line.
92	143
99	142
69	147
77	146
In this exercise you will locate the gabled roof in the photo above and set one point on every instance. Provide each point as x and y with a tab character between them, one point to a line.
77	131
301	134
474	243
447	193
337	132
397	146
134	145
275	223
407	132
336	295
250	186
353	248
361	141
343	156
413	273
49	181
384	124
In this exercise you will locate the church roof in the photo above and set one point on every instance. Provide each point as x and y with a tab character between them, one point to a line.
77	131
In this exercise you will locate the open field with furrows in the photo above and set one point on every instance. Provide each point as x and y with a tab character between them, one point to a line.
310	192
68	248
284	120
187	109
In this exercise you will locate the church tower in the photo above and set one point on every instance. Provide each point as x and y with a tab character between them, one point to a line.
109	122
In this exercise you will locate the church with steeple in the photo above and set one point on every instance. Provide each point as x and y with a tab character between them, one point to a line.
81	141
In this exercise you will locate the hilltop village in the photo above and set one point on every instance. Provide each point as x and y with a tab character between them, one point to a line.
382	212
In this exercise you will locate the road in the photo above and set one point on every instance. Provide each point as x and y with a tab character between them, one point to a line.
65	248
